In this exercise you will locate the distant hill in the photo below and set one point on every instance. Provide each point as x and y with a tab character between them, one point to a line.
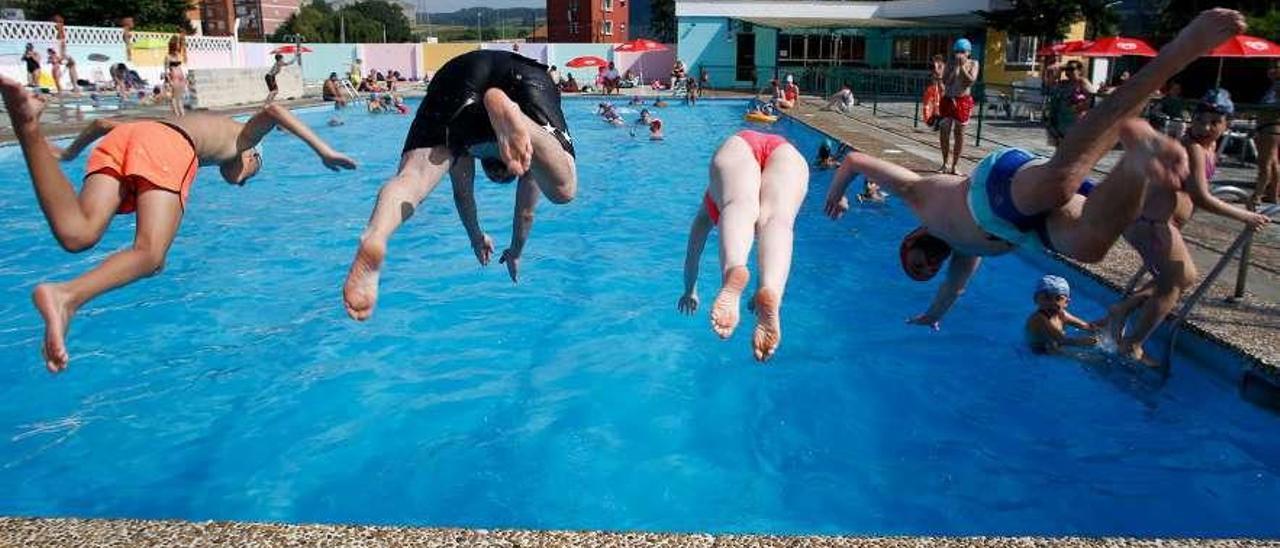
464	17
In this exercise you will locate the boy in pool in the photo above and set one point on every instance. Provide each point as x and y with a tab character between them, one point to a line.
1046	328
479	98
825	159
758	182
146	167
655	130
871	193
1012	198
1157	233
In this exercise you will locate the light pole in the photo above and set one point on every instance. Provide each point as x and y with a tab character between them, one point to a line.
479	32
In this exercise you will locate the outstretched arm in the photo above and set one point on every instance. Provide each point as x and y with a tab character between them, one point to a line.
88	135
693	255
958	274
1197	185
898	179
526	200
462	174
274	115
1078	323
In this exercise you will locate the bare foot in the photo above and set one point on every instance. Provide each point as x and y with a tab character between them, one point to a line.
51	300
1115	323
768	326
360	292
24	107
724	311
514	143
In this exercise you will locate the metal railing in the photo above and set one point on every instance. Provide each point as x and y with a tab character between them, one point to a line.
1241	244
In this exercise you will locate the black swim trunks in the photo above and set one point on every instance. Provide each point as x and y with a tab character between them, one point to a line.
453	112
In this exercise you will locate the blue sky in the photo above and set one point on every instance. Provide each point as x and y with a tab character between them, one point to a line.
445	6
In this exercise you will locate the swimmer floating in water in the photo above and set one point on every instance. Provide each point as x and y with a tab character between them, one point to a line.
1012	198
145	167
758	182
480	98
1046	328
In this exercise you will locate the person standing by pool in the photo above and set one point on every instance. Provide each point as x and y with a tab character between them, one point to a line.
55	69
272	88
1012	198
146	167
957	102
174	60
480	97
1157	233
32	60
758	182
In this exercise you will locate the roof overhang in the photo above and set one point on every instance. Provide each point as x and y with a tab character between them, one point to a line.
795	23
831	14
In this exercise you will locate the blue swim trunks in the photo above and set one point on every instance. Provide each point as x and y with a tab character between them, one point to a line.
991	199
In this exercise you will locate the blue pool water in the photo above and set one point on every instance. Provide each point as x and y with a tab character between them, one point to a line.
232	386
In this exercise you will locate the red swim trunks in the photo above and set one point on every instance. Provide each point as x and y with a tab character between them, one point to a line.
762	146
956	108
145	156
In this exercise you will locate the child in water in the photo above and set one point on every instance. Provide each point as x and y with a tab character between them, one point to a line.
655	130
871	193
1046	328
825	159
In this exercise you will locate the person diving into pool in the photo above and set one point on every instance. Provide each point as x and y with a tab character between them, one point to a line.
145	167
758	182
1014	199
483	97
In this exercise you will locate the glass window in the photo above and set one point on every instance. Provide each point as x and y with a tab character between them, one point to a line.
1020	51
608	27
821	49
608	5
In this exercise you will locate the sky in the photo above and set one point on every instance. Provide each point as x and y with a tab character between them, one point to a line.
446	6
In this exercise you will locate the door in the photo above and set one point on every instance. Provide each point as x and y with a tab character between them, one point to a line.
746	58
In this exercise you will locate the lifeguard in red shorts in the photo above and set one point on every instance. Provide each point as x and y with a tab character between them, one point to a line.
957	102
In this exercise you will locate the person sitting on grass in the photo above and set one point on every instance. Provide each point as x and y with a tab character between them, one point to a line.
1046	328
146	167
1157	233
758	182
1013	199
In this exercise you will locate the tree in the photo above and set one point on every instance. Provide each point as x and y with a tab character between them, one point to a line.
386	13
359	22
1262	15
1099	17
149	15
1048	19
663	20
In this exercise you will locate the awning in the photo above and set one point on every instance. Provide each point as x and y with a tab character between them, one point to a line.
792	23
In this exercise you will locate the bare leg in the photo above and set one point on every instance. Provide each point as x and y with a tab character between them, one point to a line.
1118	314
944	138
525	145
76	221
1092	137
784	183
159	214
1268	164
1177	274
1085	229
420	171
957	144
735	187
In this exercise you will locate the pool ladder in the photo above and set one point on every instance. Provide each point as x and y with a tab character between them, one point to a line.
1242	243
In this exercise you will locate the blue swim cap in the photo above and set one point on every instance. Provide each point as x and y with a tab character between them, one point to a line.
1217	100
962	44
1053	285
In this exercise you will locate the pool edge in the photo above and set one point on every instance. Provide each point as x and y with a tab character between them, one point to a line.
131	532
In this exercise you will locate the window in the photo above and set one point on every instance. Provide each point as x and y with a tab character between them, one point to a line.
608	28
821	49
915	52
1020	51
573	27
608	5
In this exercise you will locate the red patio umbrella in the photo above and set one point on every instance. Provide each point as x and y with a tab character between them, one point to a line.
641	45
290	50
1117	46
1243	46
587	61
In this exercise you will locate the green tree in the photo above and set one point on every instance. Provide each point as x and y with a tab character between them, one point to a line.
150	15
382	12
663	20
1049	19
1100	18
1262	15
359	22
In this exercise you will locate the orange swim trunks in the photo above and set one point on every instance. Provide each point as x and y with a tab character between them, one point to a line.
145	156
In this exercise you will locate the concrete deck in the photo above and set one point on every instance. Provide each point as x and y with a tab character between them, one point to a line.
20	532
1251	326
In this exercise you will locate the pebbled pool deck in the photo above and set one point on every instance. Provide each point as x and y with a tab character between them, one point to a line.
30	532
1250	327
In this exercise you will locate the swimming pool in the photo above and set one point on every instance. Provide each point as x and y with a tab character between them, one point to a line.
232	386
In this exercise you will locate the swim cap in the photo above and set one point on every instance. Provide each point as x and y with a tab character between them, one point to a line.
1217	100
936	251
962	44
1055	286
790	79
656	124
